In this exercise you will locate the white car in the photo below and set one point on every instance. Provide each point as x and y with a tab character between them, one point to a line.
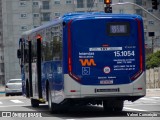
13	86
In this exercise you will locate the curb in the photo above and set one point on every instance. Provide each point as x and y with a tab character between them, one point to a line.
2	95
153	89
153	92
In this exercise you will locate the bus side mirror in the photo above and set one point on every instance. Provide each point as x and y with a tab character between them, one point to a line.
19	55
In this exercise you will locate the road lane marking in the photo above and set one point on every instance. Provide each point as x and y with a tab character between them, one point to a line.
14	106
146	99
16	101
155	97
140	104
133	109
150	100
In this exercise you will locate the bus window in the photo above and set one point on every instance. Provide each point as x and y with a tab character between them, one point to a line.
34	50
26	59
57	48
57	42
46	46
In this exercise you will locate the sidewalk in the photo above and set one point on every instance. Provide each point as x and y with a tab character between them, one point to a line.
2	88
153	92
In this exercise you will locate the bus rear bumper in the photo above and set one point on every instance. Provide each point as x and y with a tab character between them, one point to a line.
131	91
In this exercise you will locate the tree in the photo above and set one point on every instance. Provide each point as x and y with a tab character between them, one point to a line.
153	60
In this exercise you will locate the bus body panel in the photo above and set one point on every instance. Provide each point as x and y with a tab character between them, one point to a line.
94	91
98	58
95	63
72	88
88	58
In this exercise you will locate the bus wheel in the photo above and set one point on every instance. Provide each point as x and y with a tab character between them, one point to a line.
115	105
52	106
27	89
118	105
108	106
34	103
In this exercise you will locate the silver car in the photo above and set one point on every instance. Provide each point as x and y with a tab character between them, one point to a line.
13	86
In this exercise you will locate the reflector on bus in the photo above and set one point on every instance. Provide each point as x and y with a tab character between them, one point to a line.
39	37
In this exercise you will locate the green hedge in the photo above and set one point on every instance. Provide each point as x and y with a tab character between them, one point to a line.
153	60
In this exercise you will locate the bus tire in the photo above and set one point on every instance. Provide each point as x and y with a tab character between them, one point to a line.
118	105
27	89
108	106
52	106
34	103
115	105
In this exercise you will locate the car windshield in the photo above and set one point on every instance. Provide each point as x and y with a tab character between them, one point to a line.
15	81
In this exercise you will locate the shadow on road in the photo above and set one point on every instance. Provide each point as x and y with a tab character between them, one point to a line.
78	112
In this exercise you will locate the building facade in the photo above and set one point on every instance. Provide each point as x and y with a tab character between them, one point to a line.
1	48
23	15
150	23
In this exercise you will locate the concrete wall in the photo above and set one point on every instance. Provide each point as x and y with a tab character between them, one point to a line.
1	48
153	78
12	23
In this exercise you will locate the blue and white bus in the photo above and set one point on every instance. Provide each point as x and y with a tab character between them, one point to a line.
84	58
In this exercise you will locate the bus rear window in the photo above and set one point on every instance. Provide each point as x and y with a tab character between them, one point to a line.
118	29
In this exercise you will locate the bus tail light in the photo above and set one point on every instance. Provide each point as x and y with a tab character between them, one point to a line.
140	51
39	37
136	75
140	88
105	45
72	90
70	53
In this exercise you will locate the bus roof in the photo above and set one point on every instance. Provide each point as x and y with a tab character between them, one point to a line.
53	22
69	16
83	15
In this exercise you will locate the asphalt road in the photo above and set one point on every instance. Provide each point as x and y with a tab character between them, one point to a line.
19	107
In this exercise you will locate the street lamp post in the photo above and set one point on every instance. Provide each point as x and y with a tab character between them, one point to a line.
130	3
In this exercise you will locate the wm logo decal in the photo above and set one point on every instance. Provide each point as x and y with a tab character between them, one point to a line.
87	62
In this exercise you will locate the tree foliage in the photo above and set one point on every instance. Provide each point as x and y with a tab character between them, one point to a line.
153	60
